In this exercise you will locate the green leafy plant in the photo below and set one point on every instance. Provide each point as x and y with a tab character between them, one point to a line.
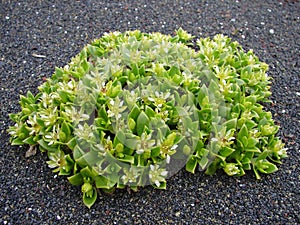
132	108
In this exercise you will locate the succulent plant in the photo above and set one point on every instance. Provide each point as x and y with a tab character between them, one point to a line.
133	108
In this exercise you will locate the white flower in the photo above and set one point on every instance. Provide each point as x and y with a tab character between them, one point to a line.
85	94
167	150
130	175
85	132
54	136
34	127
14	130
98	79
76	115
145	143
131	97
67	87
46	99
159	98
115	108
55	159
157	175
49	116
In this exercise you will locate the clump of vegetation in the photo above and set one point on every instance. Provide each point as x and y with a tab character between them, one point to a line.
132	108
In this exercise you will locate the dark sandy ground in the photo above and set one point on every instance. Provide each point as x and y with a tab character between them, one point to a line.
32	194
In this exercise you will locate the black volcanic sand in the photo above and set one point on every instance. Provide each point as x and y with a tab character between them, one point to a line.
32	194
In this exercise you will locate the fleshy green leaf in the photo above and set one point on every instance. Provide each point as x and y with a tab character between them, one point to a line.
104	183
203	162
226	151
191	165
127	158
90	200
17	141
30	140
141	123
243	132
230	124
46	146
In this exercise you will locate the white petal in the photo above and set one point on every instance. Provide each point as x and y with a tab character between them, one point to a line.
12	132
151	143
70	84
143	136
167	95
164	173
80	127
168	159
214	139
152	167
174	147
157	183
140	151
85	116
